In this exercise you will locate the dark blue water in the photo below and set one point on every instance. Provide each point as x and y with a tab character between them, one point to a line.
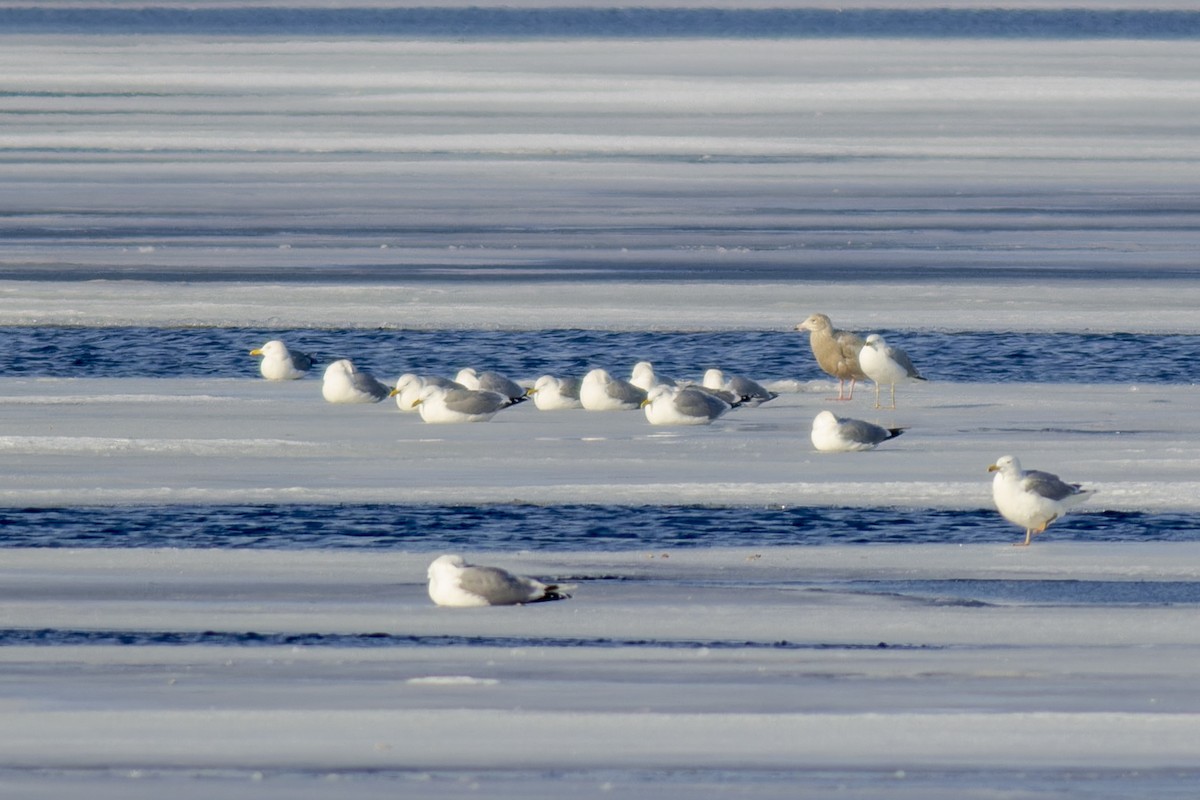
623	22
987	356
561	528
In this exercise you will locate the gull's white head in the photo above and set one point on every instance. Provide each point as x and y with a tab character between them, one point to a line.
340	368
662	390
272	349
875	339
598	376
445	565
1006	465
825	419
713	379
544	382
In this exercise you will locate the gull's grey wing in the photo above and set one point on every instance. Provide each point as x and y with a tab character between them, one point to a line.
302	361
858	430
498	586
901	358
468	401
1049	485
696	403
750	390
624	391
495	382
366	383
569	387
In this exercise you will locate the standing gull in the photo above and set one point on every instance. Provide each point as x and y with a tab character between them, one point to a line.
280	364
886	364
836	351
553	394
442	404
345	384
1031	498
454	582
832	434
667	405
600	391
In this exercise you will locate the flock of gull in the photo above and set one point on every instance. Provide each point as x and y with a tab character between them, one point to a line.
1031	499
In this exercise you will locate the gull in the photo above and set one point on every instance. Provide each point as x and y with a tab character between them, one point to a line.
843	435
644	377
1031	498
836	351
600	391
443	404
667	405
553	394
280	364
409	386
488	381
883	363
749	392
454	582
345	384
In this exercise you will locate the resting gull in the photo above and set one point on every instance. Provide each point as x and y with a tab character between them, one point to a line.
883	363
488	381
442	404
836	351
1031	498
644	377
553	394
600	391
667	405
409	386
280	364
454	582
843	435
751	393
345	384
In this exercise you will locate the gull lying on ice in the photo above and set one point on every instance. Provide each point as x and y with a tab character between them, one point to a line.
842	434
489	382
553	394
454	582
600	391
836	351
1031	498
749	392
456	404
280	364
409	386
668	405
345	384
885	364
644	377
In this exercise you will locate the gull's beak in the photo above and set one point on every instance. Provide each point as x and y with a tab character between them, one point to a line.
393	392
256	351
416	402
993	468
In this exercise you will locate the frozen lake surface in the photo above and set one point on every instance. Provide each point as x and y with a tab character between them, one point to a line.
213	586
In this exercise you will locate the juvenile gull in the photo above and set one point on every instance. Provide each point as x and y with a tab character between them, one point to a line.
1031	498
834	434
553	394
600	391
454	582
443	404
836	351
883	363
409	386
280	364
345	384
488	381
749	392
667	405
